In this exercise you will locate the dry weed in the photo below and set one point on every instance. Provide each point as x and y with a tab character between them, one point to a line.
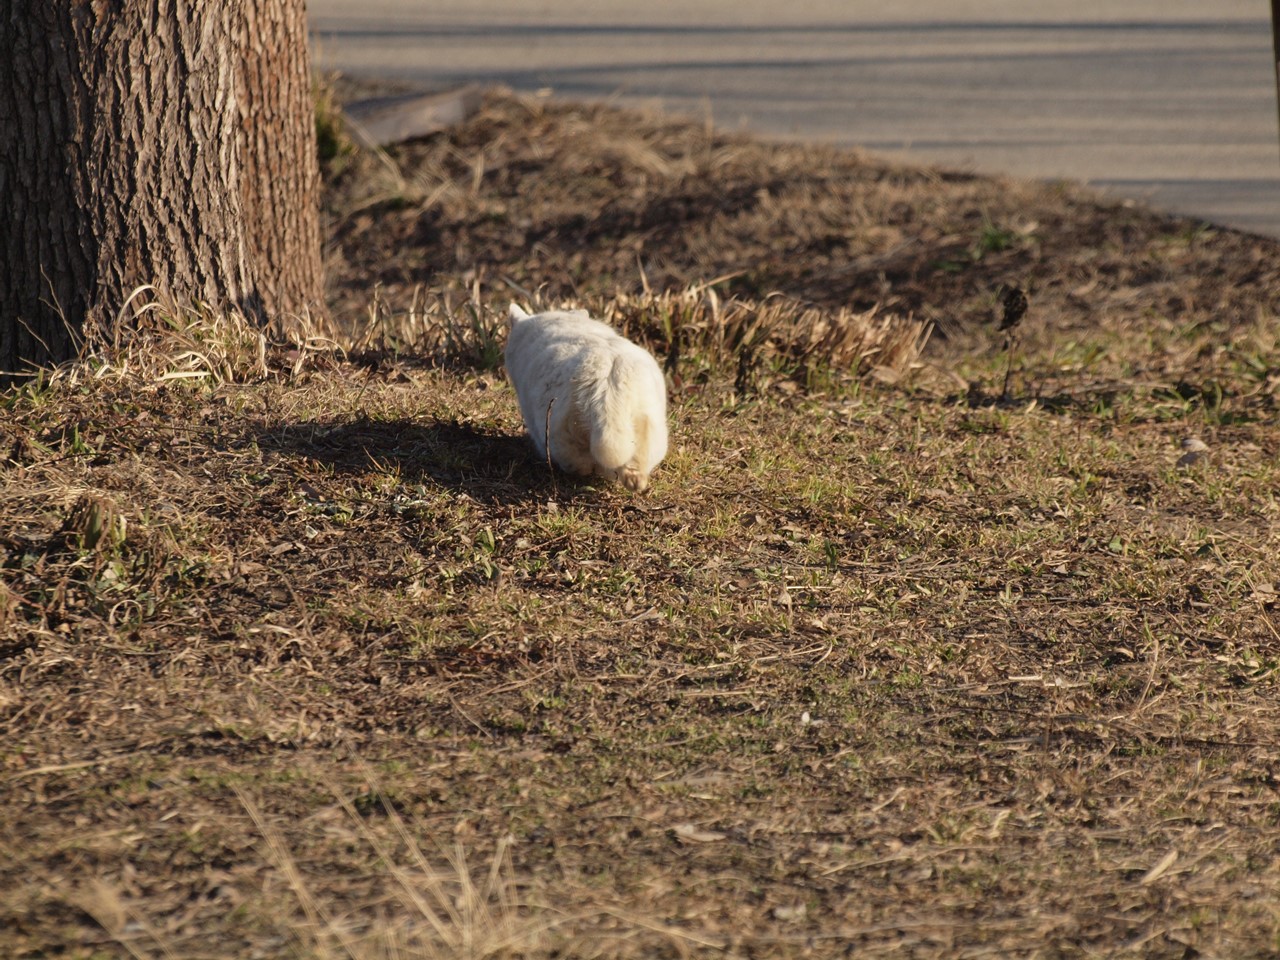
696	330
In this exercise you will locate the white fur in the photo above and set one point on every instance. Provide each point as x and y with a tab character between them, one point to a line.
600	399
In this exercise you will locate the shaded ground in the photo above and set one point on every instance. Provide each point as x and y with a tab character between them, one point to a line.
872	671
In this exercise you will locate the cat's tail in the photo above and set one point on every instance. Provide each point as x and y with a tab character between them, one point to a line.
633	474
618	420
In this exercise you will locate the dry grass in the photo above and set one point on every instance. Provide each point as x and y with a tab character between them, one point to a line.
586	203
778	335
302	652
695	330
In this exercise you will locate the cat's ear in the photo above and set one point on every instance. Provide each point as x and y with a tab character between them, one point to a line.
516	313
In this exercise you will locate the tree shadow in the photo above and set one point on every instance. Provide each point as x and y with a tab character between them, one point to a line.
486	464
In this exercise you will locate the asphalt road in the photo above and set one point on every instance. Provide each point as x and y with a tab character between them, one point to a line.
1167	101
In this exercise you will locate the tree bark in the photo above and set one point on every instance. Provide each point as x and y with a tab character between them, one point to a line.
280	187
152	142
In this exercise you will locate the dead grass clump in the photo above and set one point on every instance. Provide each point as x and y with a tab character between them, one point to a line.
369	885
697	330
156	341
430	910
96	566
433	328
777	333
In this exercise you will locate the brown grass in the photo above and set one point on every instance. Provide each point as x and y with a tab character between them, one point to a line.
695	330
303	653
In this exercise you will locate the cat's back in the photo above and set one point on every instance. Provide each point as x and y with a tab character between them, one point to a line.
549	350
572	329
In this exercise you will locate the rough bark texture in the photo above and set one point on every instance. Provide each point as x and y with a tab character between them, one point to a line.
280	184
152	142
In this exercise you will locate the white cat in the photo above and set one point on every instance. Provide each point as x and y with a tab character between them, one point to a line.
600	399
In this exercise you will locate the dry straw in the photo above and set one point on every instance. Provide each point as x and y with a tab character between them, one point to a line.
778	331
694	327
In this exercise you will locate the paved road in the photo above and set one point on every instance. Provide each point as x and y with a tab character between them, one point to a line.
1171	101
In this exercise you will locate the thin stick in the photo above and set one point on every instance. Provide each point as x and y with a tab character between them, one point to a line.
546	437
1015	304
1010	342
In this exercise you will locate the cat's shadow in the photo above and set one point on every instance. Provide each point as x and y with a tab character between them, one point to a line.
460	456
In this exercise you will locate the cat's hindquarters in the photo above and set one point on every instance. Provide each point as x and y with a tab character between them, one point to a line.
592	401
625	410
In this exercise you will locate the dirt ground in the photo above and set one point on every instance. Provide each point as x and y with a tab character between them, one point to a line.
304	654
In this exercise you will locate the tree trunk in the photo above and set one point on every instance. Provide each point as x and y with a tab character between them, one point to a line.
152	142
280	186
